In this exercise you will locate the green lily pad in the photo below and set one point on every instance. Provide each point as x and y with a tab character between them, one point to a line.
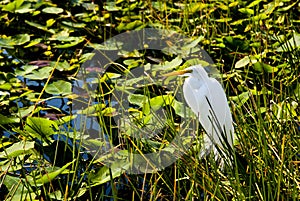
40	128
59	87
11	41
53	10
19	148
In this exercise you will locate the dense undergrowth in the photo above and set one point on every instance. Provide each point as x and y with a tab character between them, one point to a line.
45	155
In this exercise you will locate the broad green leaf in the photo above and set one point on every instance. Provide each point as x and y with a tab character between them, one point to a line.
33	42
40	128
73	24
157	102
223	6
69	41
39	26
168	65
259	66
48	177
260	16
26	70
195	7
85	57
254	3
103	175
92	109
8	120
39	74
53	10
19	148
111	6
18	186
61	66
247	11
132	63
137	99
129	26
243	62
234	4
240	99
11	41
24	111
193	43
50	22
6	86
182	110
59	87
13	6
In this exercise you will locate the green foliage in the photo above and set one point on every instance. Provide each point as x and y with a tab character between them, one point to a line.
254	44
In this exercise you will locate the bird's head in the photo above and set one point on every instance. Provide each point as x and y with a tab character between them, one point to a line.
196	71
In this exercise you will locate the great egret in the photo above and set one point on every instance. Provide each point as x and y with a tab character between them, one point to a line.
207	99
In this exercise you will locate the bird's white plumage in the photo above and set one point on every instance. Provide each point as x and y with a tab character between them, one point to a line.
207	99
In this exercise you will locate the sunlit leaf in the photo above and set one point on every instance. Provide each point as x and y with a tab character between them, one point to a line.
247	11
53	10
59	87
106	174
40	128
13	6
39	74
243	62
259	66
8	120
47	177
69	41
168	65
9	42
39	26
19	148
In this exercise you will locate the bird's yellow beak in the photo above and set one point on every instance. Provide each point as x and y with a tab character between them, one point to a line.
180	72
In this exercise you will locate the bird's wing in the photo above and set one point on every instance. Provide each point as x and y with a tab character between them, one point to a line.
221	112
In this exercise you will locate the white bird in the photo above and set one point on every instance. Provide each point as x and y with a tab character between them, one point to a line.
207	99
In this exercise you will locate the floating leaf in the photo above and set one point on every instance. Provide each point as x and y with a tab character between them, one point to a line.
27	69
157	102
21	191
61	66
129	26
168	65
106	174
8	120
39	26
53	10
59	87
73	24
69	41
33	42
48	177
182	110
39	74
137	99
9	42
19	148
40	128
